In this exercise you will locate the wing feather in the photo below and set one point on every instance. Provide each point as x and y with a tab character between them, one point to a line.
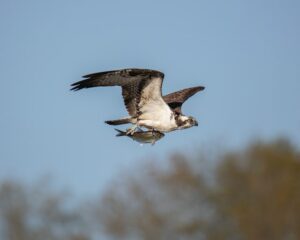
176	99
151	104
133	82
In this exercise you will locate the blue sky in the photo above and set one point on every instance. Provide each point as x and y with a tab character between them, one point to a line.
246	53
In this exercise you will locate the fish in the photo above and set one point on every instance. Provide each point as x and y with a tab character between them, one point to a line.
142	136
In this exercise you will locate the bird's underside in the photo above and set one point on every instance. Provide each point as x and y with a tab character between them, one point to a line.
141	91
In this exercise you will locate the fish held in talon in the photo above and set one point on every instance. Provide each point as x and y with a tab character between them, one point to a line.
142	136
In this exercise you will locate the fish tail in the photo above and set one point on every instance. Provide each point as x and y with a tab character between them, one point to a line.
120	133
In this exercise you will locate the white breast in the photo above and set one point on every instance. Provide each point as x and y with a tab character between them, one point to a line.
155	112
162	123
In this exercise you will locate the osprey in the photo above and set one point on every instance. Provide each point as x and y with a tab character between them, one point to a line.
142	94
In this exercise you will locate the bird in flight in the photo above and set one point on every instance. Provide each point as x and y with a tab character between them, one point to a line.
142	94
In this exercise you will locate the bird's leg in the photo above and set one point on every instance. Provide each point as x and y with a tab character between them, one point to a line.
153	131
131	131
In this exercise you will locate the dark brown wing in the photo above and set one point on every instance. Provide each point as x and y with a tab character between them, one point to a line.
176	99
132	81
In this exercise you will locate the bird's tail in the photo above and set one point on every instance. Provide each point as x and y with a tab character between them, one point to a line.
120	133
119	121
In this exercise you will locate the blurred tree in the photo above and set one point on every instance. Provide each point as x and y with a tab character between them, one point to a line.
250	195
255	194
176	203
37	213
259	189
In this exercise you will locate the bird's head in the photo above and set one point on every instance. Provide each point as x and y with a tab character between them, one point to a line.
186	122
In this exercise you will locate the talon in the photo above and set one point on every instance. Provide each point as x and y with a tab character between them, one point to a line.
131	131
152	131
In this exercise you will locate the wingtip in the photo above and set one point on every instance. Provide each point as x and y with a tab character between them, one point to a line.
87	75
74	87
77	86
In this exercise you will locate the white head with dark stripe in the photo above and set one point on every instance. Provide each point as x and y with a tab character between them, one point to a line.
183	121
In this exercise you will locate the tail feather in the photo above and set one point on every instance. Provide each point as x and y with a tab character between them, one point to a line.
120	133
119	121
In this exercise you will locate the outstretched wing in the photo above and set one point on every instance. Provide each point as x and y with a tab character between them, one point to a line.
141	88
176	99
